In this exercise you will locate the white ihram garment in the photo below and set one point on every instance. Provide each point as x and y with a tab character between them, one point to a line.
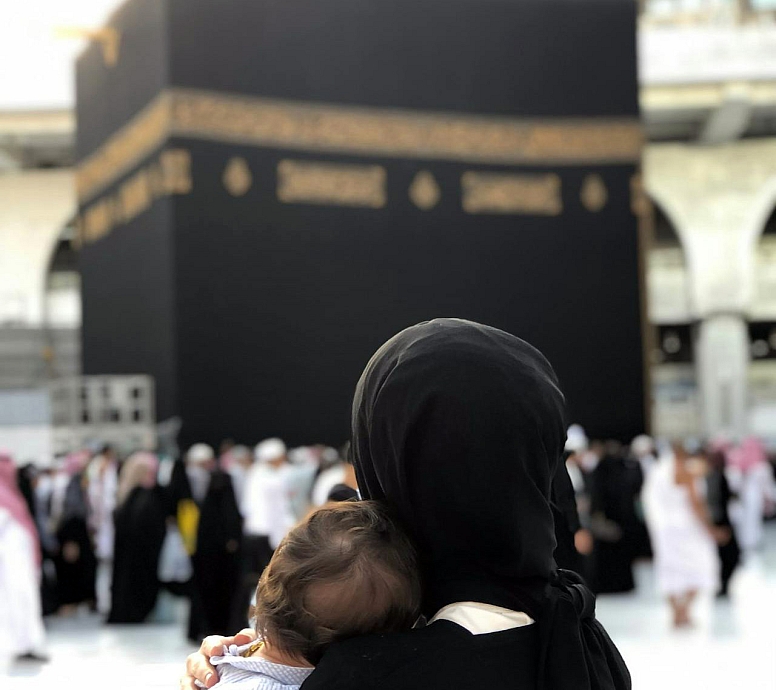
267	506
685	554
103	486
21	625
755	488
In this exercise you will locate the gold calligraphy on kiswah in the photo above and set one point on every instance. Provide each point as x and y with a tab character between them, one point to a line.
502	193
144	134
357	130
168	175
331	183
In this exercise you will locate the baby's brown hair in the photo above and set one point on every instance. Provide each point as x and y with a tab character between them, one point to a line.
347	570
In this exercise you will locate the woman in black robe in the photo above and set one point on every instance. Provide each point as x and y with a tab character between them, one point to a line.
719	497
140	524
76	564
616	486
460	428
215	551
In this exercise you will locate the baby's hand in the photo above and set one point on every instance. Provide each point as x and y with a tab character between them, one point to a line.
199	672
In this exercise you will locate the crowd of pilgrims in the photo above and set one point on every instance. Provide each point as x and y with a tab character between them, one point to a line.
111	534
695	509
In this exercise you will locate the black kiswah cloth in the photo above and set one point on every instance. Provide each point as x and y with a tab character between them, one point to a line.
460	428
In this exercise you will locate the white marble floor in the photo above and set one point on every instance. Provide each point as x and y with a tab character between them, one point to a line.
732	647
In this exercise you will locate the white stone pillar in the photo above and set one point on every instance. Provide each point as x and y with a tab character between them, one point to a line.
722	363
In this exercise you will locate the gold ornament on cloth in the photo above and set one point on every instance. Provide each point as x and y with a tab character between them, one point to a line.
593	194
347	130
336	184
237	176
508	193
424	191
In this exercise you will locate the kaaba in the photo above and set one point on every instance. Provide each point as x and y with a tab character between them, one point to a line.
269	189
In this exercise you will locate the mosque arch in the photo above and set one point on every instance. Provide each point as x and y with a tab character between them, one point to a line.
665	232
668	287
62	281
762	314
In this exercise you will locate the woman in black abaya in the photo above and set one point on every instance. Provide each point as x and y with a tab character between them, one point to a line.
140	525
618	531
213	539
76	564
460	428
718	497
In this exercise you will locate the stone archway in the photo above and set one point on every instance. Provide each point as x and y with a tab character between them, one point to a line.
676	409
667	273
762	327
763	307
62	282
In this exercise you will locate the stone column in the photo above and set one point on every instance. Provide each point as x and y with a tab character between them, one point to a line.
722	363
716	198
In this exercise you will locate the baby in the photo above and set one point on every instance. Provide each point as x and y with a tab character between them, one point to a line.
347	570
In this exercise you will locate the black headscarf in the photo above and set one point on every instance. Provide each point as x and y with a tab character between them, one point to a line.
460	428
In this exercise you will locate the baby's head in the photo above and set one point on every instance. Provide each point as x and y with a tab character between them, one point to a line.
347	570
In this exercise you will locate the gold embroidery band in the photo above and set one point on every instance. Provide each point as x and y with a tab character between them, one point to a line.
145	133
331	183
169	174
507	193
356	130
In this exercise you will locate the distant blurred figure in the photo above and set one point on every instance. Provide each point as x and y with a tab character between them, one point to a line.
751	479
337	481
642	450
267	504
211	527
616	486
326	480
303	465
103	484
21	625
237	464
572	499
683	536
76	563
719	497
589	459
225	453
43	486
269	513
576	447
140	530
346	489
25	481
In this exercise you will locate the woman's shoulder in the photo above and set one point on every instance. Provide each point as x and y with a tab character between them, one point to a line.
439	655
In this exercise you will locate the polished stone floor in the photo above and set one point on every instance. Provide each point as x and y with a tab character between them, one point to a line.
733	645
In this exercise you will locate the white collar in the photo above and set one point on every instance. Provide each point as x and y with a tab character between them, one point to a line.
480	619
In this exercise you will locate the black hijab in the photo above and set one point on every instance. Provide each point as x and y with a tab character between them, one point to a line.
460	428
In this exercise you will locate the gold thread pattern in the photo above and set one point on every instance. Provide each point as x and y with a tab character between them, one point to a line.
507	193
424	191
169	174
352	130
593	193
176	171
237	176
310	182
402	133
125	149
